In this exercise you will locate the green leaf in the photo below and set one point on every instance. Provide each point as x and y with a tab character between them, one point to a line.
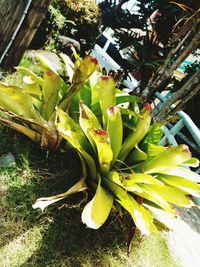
130	113
182	172
69	66
44	202
167	159
85	94
115	130
97	210
106	90
173	195
139	214
154	196
184	184
50	93
154	135
88	121
93	80
105	154
192	162
127	99
18	101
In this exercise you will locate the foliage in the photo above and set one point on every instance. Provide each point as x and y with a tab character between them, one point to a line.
115	18
30	238
152	49
122	165
35	117
75	19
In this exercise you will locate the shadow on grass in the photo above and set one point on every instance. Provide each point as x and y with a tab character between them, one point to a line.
56	237
65	240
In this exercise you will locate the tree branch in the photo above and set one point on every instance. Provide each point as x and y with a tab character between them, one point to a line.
182	94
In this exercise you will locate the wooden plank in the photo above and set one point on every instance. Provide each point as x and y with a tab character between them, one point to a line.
26	33
10	14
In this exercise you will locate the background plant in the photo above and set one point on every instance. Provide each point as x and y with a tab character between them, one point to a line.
173	30
76	19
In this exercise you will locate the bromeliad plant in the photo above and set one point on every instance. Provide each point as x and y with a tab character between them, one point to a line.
31	109
122	164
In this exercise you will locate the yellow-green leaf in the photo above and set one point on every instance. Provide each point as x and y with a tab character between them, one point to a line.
136	155
97	210
69	66
135	137
192	162
88	121
140	216
120	180
139	178
172	195
105	154
44	202
154	150
171	157
183	172
30	133
115	130
184	184
154	196
106	89
73	134
50	92
85	69
18	101
49	61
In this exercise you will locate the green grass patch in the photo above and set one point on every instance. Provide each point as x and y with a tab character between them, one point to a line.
16	78
57	237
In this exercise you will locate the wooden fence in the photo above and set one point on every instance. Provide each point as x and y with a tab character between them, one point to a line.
19	21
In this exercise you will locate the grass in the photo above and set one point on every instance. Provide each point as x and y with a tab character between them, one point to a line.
57	237
16	78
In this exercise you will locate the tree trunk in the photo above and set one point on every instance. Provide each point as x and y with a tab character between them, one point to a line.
191	87
19	23
181	50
